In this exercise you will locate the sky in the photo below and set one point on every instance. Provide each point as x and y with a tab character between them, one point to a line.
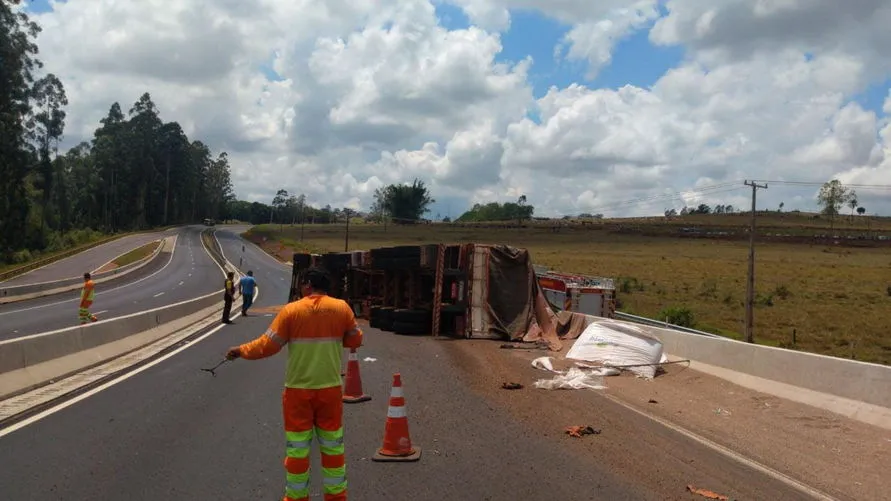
618	107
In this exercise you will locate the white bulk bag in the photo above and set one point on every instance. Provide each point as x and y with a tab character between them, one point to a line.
615	344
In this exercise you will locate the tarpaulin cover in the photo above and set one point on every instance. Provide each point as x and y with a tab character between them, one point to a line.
516	303
512	289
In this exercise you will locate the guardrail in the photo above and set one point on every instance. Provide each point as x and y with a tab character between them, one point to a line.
657	323
33	361
31	291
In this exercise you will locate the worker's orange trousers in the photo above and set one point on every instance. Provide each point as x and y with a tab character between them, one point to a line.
318	412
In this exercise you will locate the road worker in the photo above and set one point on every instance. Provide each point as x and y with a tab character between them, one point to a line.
86	300
228	296
315	329
247	285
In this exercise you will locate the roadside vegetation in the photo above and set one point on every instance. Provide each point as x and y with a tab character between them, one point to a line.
137	172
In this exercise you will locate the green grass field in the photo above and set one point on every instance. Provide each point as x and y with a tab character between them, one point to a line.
136	254
836	299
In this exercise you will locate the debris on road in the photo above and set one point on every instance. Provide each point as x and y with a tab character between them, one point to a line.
653	401
511	386
707	493
573	379
580	431
545	364
369	359
526	346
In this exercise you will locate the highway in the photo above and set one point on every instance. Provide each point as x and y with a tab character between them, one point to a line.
174	432
188	273
87	261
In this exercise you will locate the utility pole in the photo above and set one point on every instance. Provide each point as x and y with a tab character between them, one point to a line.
302	220
346	239
750	286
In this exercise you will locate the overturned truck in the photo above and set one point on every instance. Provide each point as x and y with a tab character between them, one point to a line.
460	290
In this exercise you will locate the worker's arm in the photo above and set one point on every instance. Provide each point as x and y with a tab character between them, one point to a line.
270	343
352	335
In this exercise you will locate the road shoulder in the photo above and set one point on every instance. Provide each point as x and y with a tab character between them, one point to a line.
815	447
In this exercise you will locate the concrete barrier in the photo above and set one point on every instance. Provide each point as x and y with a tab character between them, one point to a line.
32	361
33	291
856	389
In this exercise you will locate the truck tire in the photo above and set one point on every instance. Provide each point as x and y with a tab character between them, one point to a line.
385	318
412	316
411	329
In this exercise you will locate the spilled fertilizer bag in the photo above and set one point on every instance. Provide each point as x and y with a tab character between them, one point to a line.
573	379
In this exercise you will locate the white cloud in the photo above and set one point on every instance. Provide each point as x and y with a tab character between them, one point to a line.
595	40
375	91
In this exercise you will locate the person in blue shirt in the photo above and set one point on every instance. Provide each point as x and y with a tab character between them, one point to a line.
247	284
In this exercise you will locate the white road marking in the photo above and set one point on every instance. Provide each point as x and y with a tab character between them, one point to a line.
172	253
766	470
159	294
101	312
37	417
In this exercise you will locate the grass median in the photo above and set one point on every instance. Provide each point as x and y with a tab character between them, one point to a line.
136	254
828	299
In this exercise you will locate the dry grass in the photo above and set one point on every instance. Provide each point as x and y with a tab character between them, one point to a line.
836	299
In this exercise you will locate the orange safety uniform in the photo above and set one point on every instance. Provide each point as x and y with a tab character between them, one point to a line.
86	300
315	329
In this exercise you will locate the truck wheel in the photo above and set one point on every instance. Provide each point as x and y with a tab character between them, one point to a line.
412	316
412	329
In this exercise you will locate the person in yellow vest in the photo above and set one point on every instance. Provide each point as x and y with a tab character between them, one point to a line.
228	296
315	329
86	300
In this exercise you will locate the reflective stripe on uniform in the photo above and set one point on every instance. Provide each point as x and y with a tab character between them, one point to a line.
316	340
330	442
298	443
297	485
281	341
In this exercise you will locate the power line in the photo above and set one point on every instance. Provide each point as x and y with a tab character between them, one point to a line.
708	190
815	183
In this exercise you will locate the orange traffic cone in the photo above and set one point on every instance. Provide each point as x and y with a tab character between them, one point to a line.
397	444
353	393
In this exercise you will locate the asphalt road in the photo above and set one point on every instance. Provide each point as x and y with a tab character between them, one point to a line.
89	260
174	432
189	273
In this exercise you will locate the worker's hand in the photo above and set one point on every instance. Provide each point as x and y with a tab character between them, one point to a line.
233	353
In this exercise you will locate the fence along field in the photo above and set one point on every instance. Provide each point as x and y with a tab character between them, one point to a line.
835	298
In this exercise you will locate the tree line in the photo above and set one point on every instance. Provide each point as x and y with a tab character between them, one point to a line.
832	198
494	211
404	203
137	172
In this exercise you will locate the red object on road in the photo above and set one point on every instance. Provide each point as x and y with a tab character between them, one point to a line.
397	442
352	392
